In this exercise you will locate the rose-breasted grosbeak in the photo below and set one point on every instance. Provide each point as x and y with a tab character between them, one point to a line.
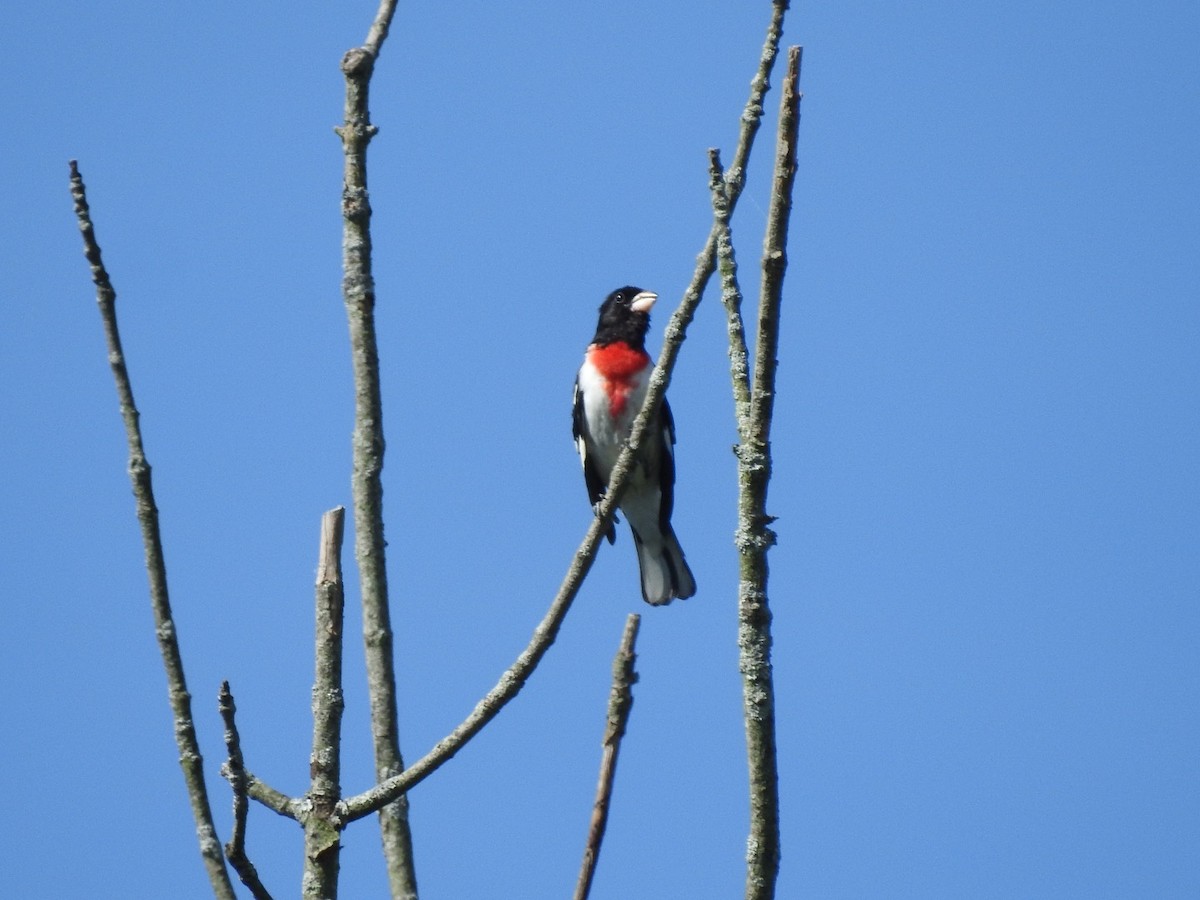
609	392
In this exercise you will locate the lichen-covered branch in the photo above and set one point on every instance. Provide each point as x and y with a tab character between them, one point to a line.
620	703
358	289
190	759
754	535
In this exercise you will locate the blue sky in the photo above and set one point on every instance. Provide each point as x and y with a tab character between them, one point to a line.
986	438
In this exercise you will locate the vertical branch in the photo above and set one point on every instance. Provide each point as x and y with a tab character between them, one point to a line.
235	770
322	838
754	536
620	703
190	759
358	289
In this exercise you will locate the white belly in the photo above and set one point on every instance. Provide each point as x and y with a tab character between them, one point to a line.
608	433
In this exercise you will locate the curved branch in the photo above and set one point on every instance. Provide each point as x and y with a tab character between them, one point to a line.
190	759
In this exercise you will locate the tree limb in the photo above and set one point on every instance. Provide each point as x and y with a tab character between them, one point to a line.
358	289
190	759
754	536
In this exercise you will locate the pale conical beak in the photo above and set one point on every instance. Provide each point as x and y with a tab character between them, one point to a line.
642	302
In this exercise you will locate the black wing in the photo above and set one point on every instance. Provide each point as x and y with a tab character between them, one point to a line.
595	485
666	469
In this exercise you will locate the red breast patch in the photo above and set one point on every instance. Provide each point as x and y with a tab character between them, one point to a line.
619	364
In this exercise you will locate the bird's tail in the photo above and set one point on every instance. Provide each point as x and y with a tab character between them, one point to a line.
665	573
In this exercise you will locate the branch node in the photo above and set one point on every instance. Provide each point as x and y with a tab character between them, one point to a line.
358	63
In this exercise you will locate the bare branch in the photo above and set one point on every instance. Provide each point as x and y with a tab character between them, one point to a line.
754	536
620	703
358	289
322	839
518	673
190	759
234	769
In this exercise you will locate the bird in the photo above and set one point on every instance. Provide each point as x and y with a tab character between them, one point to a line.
609	391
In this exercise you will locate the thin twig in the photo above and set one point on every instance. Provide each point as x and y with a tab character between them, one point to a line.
620	703
322	838
190	759
518	673
358	289
235	770
754	536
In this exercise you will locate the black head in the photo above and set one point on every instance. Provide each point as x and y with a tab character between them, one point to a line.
625	316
